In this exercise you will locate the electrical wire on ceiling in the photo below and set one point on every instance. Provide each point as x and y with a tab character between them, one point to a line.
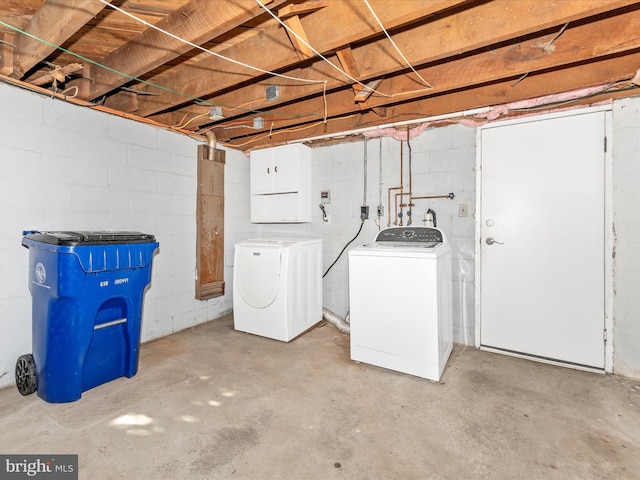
367	88
190	120
394	44
211	52
286	130
146	82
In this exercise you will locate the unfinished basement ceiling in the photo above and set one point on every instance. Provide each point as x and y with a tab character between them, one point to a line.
272	71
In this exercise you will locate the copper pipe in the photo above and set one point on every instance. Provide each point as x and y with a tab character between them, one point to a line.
401	181
451	196
410	157
408	205
389	205
402	205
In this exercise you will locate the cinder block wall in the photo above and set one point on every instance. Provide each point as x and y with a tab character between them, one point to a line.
65	167
626	221
68	167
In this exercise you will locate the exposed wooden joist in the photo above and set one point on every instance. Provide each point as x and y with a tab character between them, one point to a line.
7	46
583	43
542	84
198	22
55	21
368	90
290	16
297	9
298	37
349	65
438	41
329	34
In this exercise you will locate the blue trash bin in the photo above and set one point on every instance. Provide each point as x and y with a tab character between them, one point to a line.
87	290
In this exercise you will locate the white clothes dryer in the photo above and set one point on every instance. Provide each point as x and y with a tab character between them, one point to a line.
277	286
400	301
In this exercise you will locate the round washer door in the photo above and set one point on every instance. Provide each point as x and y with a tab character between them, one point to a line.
258	275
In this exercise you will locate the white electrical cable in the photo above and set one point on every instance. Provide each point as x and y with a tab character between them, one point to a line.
394	44
144	22
367	88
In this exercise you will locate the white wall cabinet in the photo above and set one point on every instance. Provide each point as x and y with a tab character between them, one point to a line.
280	184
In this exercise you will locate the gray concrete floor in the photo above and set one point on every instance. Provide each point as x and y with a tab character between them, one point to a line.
211	403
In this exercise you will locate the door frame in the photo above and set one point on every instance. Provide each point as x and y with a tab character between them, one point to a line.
608	224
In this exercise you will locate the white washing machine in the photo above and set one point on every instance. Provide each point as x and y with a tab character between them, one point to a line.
400	301
277	286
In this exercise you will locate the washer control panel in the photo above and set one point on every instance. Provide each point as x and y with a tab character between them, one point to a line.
410	235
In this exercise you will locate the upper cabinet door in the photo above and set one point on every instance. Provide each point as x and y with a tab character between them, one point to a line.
279	169
261	174
286	167
281	184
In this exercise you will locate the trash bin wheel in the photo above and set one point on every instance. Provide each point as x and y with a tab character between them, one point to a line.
26	375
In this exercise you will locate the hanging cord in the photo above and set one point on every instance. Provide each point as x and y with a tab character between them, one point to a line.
199	47
288	29
395	46
345	247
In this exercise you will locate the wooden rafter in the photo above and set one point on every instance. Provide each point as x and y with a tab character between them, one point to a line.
572	78
7	46
198	21
491	65
55	22
483	68
473	52
290	16
196	80
298	38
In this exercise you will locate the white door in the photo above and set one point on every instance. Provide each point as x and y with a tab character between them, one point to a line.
542	283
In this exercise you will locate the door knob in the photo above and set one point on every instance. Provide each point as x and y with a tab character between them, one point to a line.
491	241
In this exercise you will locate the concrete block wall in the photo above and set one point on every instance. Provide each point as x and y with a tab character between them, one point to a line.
442	161
68	167
626	221
65	167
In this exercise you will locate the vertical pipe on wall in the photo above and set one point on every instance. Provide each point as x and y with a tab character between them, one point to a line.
399	219
409	203
364	193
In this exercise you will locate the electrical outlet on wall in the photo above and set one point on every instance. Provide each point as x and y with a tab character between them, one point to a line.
463	210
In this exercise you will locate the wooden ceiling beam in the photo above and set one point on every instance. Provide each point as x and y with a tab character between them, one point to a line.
55	21
198	21
583	42
586	43
335	26
500	93
297	9
290	16
7	46
298	37
349	65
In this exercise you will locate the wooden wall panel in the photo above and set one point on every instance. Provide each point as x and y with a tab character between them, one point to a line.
210	224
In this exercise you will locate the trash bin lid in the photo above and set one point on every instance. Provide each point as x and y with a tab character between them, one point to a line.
88	238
